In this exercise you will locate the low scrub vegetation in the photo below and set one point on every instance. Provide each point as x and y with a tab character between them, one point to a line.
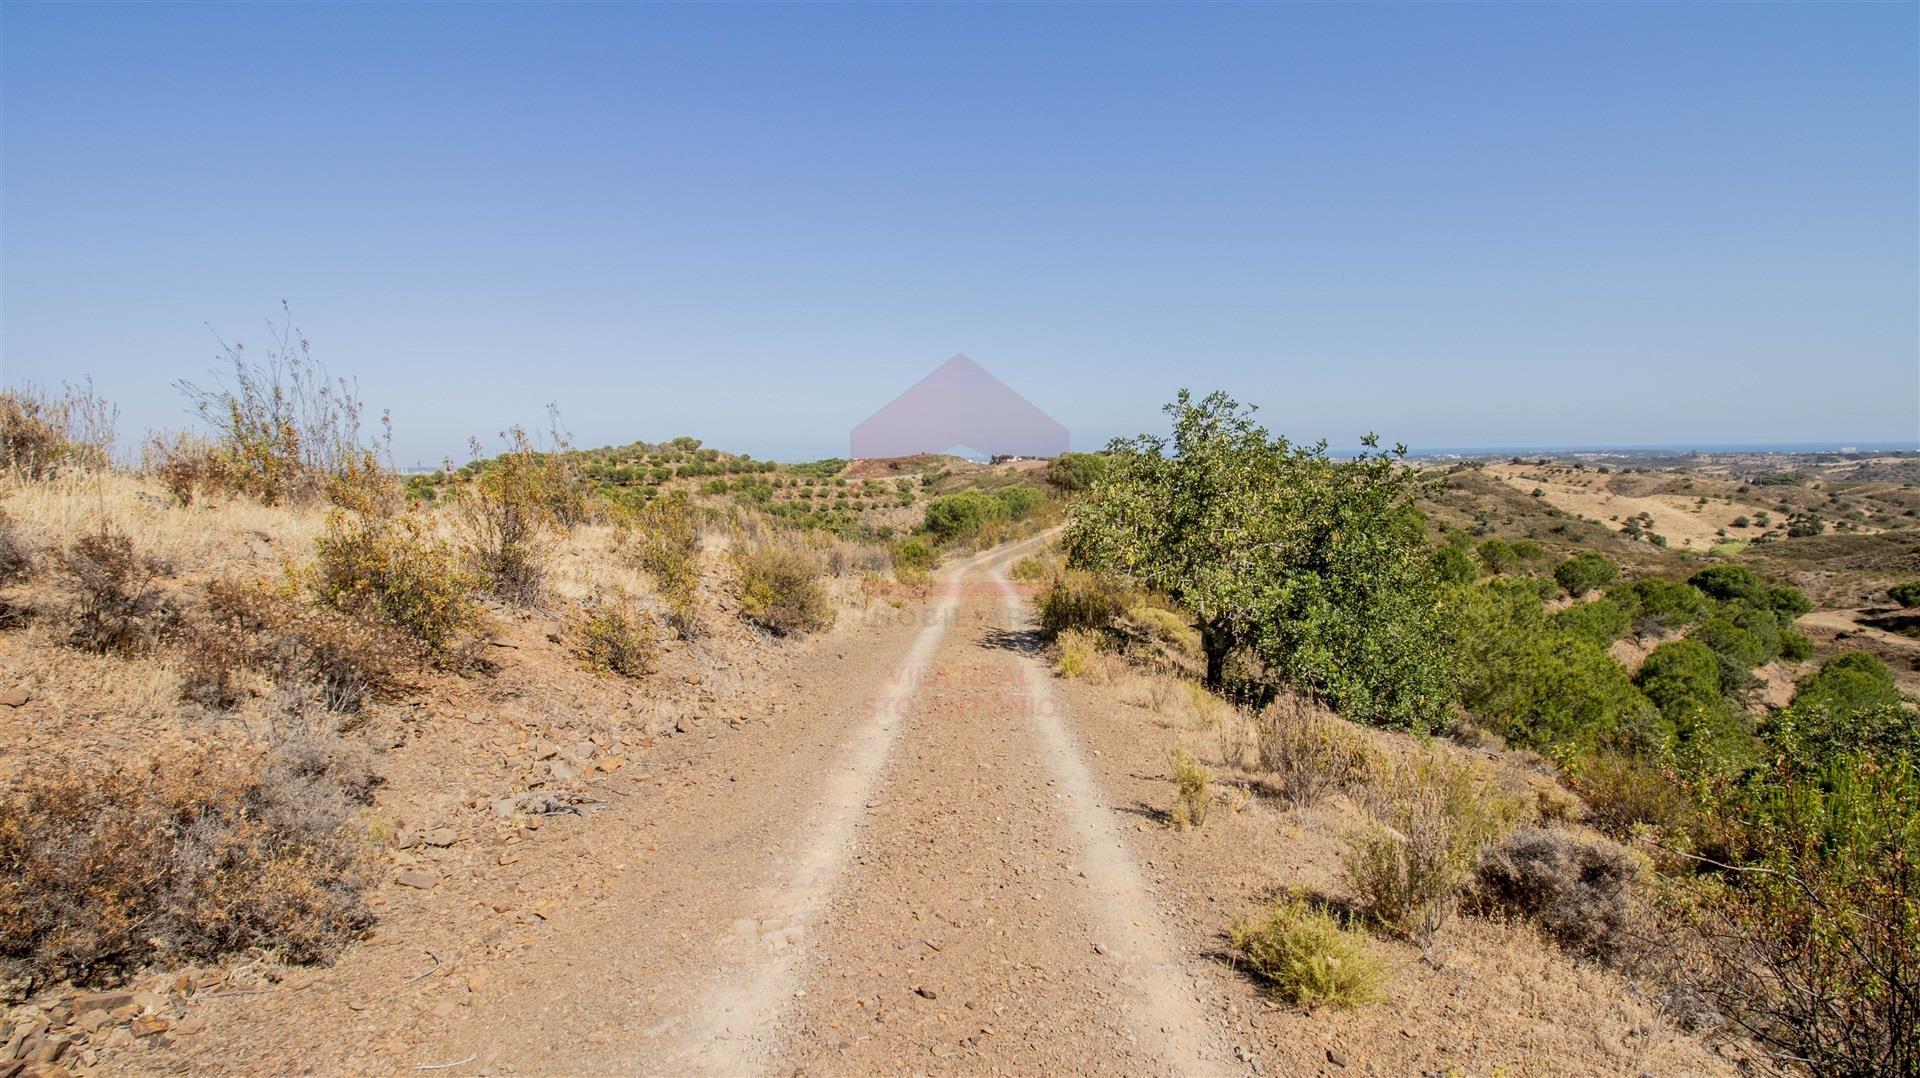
115	605
1307	753
1193	786
1432	819
44	434
1308	956
185	859
663	538
1081	600
344	660
781	590
393	569
612	635
514	503
1576	891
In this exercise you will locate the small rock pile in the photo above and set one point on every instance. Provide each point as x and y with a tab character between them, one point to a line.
66	1033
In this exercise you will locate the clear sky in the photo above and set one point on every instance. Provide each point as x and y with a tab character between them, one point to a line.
1461	225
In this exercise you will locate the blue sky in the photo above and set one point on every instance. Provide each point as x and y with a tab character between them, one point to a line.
1460	225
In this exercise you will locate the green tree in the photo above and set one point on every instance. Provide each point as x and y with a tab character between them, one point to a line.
1075	472
1584	572
1319	566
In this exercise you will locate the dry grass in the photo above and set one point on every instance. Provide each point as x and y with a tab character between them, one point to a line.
209	536
1078	654
1308	753
1193	786
1433	817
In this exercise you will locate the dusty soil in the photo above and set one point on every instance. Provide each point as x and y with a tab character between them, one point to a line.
1679	517
904	847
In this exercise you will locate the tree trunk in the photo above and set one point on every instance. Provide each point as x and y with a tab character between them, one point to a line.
1215	641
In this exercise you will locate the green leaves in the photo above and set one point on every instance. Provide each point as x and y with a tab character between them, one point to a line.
1318	566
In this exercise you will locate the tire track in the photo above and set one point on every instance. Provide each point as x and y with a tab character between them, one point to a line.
734	1023
1162	1001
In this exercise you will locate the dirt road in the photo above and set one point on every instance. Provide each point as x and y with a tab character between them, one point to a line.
907	866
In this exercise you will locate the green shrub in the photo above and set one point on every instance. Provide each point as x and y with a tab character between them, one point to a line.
917	554
1848	686
663	538
1680	675
1729	582
954	515
1584	572
1907	594
1537	684
1813	942
392	569
781	590
1308	957
1598	621
610	635
1787	603
1433	820
1454	565
1499	555
1074	472
1666	603
1795	646
1018	503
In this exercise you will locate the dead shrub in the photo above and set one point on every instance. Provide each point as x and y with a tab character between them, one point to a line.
42	434
780	590
1307	751
115	606
213	663
345	660
187	466
1432	819
187	858
1577	892
16	556
393	570
612	636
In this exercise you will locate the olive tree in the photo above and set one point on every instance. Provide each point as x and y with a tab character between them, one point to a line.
1319	566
